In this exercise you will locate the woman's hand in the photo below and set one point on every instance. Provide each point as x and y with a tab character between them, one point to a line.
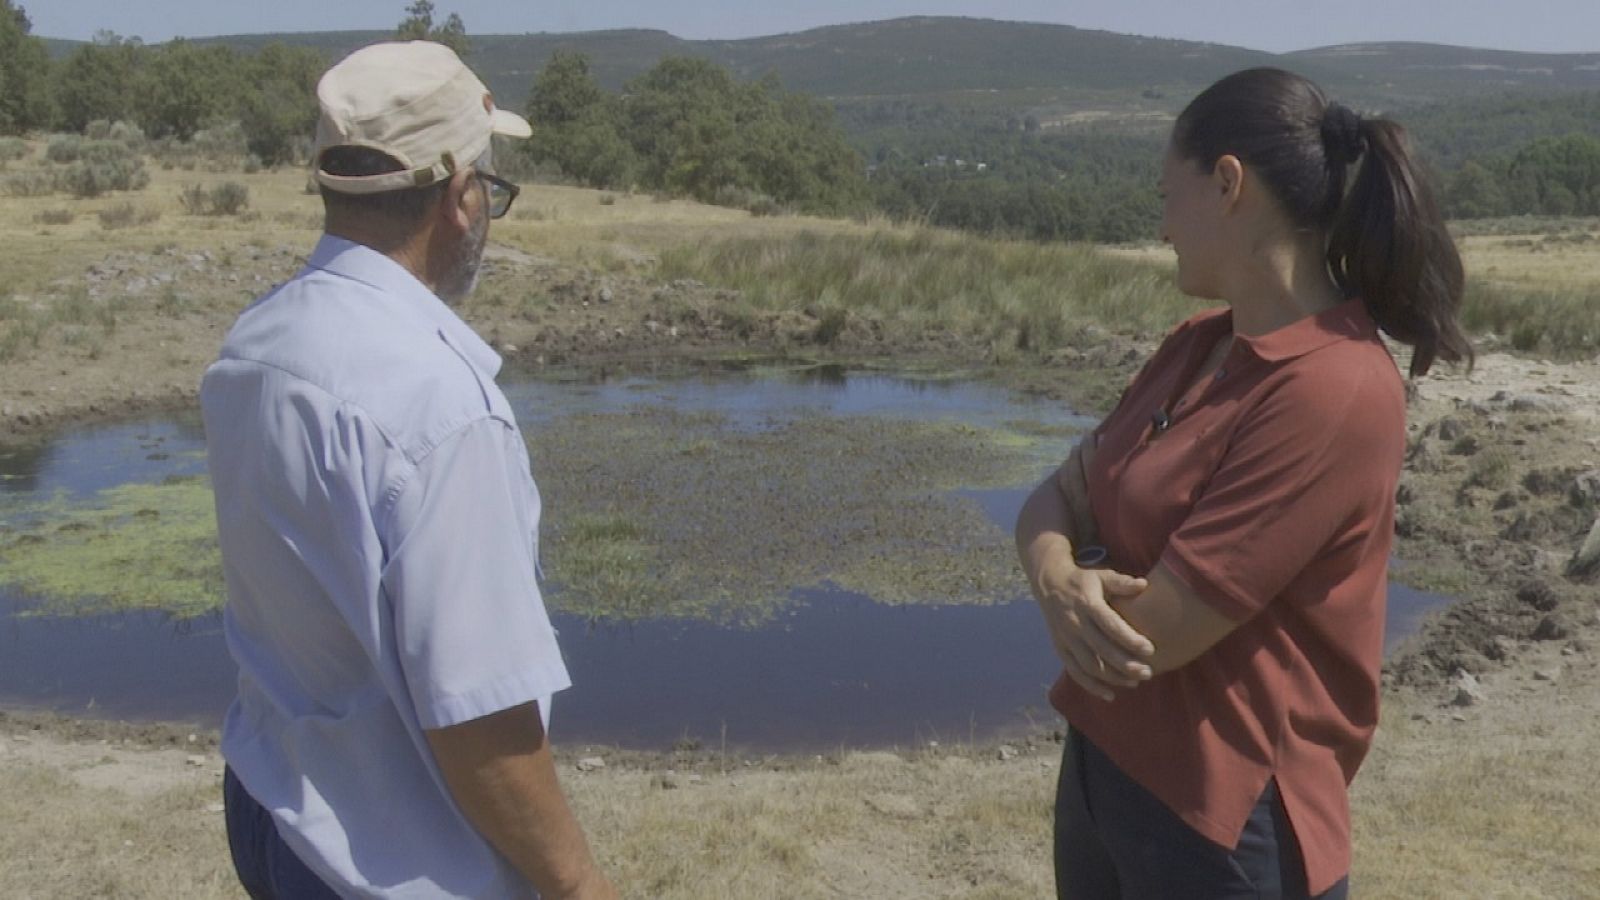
1099	650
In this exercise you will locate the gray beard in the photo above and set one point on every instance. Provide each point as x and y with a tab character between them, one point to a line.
462	278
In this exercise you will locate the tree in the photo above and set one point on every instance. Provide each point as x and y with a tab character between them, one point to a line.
418	26
1475	193
182	86
25	100
564	91
577	125
1564	173
98	81
278	109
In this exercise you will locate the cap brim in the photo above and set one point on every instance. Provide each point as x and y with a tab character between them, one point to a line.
509	124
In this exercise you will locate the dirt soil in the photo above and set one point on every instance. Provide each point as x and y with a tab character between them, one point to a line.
1498	505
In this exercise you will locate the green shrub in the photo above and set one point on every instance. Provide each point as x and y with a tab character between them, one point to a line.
12	149
226	199
221	143
105	151
229	198
737	197
54	217
91	179
64	148
127	215
128	134
28	184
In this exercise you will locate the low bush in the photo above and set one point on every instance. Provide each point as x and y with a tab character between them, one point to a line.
107	151
737	197
226	199
64	148
28	184
127	215
130	134
54	217
221	143
91	179
12	149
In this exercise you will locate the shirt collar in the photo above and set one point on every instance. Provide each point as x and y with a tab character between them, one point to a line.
359	262
1347	321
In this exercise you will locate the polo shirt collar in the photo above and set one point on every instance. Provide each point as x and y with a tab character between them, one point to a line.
1348	320
359	262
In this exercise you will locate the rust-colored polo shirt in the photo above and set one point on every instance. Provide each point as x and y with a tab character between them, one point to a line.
1271	495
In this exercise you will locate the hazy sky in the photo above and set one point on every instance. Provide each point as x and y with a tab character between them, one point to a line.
1277	25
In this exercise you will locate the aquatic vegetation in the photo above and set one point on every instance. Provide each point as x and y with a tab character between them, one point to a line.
650	512
136	546
659	513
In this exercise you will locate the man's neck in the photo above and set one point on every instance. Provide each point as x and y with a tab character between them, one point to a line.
410	253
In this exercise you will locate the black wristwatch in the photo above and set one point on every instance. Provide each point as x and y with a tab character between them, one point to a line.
1092	556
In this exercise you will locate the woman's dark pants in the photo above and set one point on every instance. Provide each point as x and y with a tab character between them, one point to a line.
1115	841
266	866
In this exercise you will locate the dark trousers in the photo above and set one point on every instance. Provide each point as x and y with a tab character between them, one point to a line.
266	866
1115	841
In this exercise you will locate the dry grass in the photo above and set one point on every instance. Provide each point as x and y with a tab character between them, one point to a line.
138	824
96	822
1497	806
1501	805
37	254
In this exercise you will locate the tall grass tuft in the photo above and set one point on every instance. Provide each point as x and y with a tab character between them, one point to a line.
127	215
1039	297
1560	323
1036	297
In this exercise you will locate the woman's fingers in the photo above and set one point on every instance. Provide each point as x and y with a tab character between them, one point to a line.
1076	672
1097	658
1113	626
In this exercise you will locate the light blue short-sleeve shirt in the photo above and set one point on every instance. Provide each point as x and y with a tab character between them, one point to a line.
379	533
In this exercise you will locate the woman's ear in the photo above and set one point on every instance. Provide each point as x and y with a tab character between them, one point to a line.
1228	177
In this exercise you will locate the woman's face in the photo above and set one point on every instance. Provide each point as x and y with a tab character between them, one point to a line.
1191	216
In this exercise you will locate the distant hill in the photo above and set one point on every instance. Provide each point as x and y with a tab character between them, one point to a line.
1055	69
1409	71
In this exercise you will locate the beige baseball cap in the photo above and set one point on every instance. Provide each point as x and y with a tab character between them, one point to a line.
414	100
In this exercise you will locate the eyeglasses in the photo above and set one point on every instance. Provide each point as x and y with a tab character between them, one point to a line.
501	194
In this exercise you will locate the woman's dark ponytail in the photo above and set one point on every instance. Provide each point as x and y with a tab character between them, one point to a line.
1389	245
1387	241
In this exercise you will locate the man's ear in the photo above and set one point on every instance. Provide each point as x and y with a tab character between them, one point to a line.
453	207
1228	178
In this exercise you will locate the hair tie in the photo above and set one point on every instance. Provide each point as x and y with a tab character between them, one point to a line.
1342	139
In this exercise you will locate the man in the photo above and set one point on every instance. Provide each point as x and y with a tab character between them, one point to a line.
378	526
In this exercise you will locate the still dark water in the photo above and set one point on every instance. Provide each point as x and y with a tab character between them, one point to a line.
834	669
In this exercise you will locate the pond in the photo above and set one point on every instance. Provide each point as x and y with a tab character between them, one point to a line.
828	666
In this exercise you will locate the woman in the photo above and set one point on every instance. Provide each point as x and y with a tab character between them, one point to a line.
1221	701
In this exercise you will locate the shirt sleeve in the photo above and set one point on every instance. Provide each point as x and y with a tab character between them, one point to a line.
1311	463
471	629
